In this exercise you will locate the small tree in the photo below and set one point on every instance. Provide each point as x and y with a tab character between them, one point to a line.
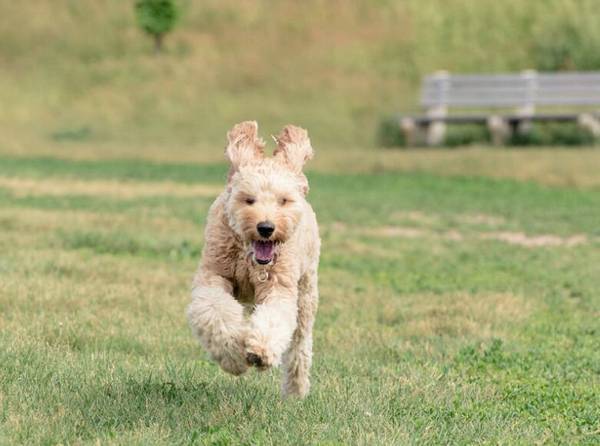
157	18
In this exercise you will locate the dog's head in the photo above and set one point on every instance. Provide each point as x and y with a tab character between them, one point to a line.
266	195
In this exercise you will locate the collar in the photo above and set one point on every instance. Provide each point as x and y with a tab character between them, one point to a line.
263	271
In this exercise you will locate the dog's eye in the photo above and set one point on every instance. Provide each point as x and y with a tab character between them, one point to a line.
285	201
250	201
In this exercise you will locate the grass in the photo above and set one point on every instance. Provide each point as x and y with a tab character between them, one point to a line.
459	288
465	333
81	70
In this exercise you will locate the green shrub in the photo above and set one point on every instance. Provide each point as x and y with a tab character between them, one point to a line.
72	134
389	133
553	134
466	134
157	18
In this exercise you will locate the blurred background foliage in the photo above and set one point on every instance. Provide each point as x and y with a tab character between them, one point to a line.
546	134
156	18
83	70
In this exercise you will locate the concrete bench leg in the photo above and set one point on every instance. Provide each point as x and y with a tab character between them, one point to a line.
499	130
409	130
589	123
436	133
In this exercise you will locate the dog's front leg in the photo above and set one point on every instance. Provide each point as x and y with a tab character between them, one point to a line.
271	328
218	322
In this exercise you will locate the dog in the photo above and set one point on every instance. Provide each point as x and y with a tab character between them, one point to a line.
255	294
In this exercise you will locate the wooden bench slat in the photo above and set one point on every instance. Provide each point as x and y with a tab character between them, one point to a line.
512	102
479	103
533	94
593	100
451	99
478	89
521	86
571	76
482	119
568	77
566	83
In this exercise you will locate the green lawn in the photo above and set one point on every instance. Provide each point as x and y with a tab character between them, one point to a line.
454	310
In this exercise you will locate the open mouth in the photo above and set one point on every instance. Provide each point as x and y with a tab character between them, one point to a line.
264	251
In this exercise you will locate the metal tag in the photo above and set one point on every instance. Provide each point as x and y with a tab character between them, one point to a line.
263	276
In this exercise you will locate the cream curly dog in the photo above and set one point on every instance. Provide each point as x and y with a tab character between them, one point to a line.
255	295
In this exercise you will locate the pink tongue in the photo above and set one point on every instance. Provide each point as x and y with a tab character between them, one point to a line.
263	250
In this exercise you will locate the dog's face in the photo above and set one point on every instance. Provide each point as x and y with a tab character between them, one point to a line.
264	207
266	195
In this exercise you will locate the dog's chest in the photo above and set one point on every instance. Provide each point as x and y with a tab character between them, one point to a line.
243	285
243	290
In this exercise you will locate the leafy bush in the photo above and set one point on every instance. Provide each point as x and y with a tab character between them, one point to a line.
157	18
466	134
553	134
72	134
389	133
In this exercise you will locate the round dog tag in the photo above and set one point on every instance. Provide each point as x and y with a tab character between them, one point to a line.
263	276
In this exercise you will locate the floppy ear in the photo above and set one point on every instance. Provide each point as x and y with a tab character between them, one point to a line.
243	145
293	147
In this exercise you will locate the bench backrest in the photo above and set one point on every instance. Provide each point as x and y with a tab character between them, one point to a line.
526	89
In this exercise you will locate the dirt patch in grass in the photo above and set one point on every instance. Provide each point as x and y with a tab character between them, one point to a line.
33	221
432	220
535	241
397	231
512	238
416	217
456	315
481	219
21	187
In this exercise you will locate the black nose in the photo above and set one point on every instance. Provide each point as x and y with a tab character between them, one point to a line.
265	228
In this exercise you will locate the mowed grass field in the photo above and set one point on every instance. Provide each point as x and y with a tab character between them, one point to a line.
454	309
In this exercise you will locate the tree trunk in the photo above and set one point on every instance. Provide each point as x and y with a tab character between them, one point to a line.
158	43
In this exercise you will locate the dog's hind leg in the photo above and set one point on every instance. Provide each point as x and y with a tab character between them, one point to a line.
218	322
298	358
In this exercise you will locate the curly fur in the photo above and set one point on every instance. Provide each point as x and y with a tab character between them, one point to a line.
243	313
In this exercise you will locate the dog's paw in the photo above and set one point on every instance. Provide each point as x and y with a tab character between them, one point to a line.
234	365
231	356
259	356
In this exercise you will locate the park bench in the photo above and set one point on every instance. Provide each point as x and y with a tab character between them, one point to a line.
514	101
